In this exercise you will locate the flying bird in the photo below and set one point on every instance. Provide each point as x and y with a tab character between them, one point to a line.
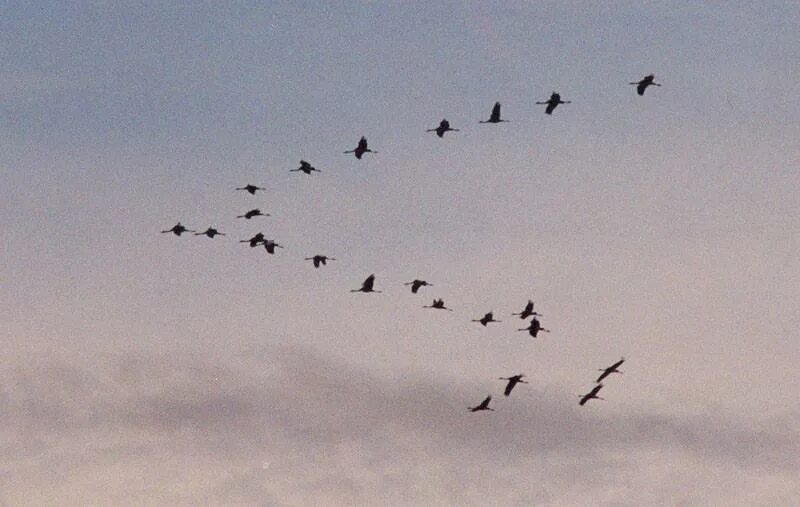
320	259
416	284
611	369
591	395
484	405
512	381
644	83
178	229
527	311
253	213
438	304
305	167
553	102
210	232
255	240
367	285
444	126
495	116
486	319
361	148
534	328
251	188
270	246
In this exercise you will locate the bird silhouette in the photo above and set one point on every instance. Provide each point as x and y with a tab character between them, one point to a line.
178	229
611	369
416	284
527	311
495	116
591	395
305	167
438	304
553	102
367	285
210	232
255	240
253	213
512	381
486	319
484	405
444	126
270	246
320	259
251	188
534	328
361	148
644	83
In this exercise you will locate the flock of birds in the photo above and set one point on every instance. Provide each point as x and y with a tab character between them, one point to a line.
368	285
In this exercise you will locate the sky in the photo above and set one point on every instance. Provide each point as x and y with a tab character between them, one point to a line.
145	368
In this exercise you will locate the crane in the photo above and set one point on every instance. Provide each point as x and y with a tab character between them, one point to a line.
367	285
534	328
591	395
513	381
253	213
255	240
210	232
527	311
438	304
495	116
486	319
553	102
416	284
642	85
178	229
444	126
611	369
320	259
305	167
270	246
251	188
484	405
361	148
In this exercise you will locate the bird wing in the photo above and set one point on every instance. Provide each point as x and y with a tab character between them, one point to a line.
495	117
617	364
368	283
316	262
362	144
510	386
641	88
485	403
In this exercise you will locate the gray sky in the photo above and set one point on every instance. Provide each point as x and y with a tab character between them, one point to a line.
141	368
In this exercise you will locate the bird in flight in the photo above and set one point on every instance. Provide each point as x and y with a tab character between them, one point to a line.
270	246
367	286
642	85
495	116
534	328
444	126
553	102
210	232
486	319
178	229
253	213
611	369
320	259
527	311
512	381
251	188
591	395
255	240
484	405
305	167
361	148
416	284
438	304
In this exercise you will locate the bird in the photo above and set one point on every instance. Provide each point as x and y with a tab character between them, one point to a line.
534	328
591	395
361	148
512	381
495	116
178	229
552	102
527	311
644	83
438	304
305	167
210	232
253	213
255	240
486	319
444	126
320	259
251	188
611	369
367	285
484	405
270	246
416	284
